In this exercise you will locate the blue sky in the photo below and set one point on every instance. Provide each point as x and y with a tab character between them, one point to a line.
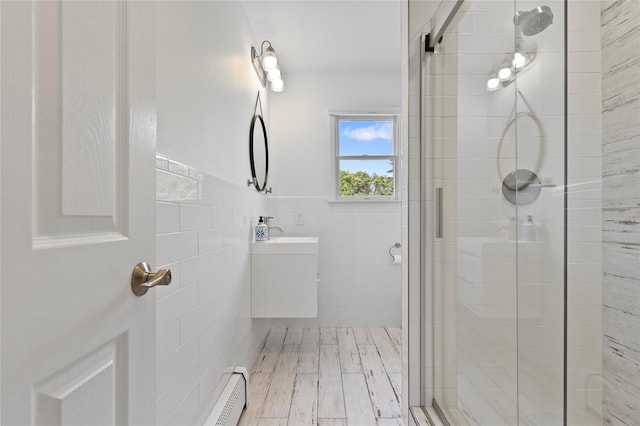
366	137
370	137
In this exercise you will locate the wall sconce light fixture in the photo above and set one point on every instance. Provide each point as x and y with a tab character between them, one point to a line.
266	66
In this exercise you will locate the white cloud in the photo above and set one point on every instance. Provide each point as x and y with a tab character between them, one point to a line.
378	131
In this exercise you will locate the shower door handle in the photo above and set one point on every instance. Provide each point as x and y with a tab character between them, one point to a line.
439	213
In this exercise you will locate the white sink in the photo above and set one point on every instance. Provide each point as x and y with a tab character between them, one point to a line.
286	245
292	239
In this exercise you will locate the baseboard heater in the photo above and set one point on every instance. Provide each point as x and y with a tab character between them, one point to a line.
232	400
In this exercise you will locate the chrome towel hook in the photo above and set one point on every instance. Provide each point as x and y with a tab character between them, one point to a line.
396	245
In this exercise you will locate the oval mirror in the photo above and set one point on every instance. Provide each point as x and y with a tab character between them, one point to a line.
259	153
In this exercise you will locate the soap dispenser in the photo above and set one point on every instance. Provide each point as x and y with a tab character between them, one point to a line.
262	230
529	230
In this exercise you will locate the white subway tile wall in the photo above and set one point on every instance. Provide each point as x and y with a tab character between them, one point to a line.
584	323
359	285
203	318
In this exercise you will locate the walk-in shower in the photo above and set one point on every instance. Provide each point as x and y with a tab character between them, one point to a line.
511	220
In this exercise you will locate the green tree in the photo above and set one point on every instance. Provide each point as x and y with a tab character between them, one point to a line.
362	184
383	185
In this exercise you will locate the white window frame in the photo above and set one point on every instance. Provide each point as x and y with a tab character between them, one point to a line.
335	154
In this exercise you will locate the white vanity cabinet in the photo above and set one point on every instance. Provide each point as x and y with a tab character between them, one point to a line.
284	278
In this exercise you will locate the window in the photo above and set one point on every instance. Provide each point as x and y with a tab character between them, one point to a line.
366	159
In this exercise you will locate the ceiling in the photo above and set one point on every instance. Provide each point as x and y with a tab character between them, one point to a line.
330	35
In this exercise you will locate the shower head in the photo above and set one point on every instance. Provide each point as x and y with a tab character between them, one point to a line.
534	21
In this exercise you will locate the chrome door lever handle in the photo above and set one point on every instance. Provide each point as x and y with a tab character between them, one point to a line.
142	279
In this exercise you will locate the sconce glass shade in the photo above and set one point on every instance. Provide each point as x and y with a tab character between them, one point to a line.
266	66
269	60
504	73
493	84
274	74
277	85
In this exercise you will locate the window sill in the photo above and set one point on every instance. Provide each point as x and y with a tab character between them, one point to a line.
364	201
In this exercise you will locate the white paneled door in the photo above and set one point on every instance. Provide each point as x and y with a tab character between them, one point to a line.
77	153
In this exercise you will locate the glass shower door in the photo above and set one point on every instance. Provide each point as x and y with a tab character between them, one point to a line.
493	155
540	141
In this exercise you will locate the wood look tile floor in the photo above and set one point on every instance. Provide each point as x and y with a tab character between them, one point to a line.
328	377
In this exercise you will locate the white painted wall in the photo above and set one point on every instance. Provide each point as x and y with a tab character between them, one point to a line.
359	286
206	86
206	95
300	131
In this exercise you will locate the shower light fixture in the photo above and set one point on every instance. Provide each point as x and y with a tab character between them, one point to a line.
266	66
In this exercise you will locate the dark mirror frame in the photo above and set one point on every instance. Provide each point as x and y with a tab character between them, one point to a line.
260	186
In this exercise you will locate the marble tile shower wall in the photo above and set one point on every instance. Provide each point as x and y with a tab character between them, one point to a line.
203	319
359	285
621	237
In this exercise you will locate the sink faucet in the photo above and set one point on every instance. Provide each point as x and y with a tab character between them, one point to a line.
276	227
266	221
